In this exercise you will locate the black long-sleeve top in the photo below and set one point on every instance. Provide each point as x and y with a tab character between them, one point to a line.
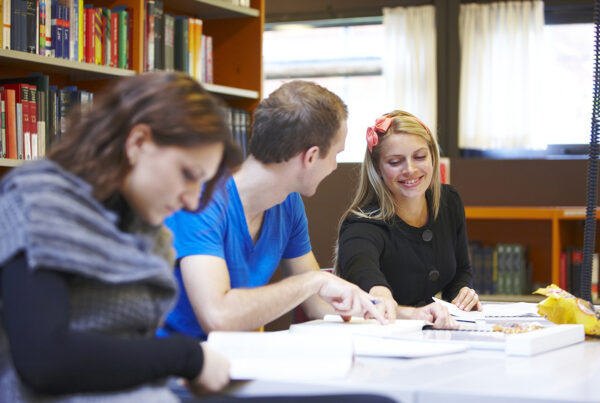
414	263
52	358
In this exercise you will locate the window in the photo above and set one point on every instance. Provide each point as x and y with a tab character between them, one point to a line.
344	59
568	84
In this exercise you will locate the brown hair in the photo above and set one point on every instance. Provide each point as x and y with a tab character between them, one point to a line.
295	117
175	107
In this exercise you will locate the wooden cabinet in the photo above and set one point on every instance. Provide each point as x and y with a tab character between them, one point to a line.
237	53
546	231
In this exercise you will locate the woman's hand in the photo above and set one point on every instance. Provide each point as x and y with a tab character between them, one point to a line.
434	313
467	300
214	375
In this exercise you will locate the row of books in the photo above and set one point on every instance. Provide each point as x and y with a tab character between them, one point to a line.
569	271
33	115
68	29
176	43
240	123
502	269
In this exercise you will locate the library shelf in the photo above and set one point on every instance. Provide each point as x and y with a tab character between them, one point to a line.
53	65
545	230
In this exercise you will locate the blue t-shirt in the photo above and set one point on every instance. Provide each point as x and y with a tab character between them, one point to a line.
221	230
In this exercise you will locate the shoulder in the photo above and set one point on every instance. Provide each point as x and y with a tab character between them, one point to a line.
354	222
451	202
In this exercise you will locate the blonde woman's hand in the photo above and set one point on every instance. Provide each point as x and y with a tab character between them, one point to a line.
467	300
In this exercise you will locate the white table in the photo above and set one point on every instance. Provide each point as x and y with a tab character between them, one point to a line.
570	374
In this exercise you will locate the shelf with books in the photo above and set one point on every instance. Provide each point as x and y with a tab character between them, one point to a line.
230	92
10	163
52	65
545	231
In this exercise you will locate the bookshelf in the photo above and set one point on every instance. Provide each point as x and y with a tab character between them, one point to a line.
237	53
545	230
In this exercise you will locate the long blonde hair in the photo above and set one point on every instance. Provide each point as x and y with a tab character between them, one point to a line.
371	189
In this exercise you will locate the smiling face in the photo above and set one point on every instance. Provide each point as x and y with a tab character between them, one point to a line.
164	179
405	165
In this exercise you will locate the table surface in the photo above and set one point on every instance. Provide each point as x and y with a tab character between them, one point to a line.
569	374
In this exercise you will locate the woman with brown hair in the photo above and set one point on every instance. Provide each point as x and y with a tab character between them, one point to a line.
85	261
403	239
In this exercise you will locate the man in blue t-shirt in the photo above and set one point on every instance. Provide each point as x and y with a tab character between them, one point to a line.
228	252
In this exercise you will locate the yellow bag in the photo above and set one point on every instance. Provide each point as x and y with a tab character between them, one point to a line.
561	307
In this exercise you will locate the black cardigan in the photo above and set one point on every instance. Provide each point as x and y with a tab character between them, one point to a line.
414	263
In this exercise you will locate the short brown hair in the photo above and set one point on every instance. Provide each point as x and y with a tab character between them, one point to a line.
175	107
295	117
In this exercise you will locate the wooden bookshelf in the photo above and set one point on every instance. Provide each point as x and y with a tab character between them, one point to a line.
545	230
237	53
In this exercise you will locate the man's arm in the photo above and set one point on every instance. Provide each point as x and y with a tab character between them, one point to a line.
220	307
314	307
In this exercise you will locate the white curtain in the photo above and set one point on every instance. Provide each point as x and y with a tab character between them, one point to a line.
410	62
501	77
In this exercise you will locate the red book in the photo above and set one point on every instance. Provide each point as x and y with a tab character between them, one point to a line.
90	54
21	97
562	271
9	97
33	120
114	39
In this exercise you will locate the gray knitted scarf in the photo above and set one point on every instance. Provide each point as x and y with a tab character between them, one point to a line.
125	278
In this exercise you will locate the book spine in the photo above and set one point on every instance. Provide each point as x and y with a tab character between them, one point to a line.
48	27
42	27
6	23
25	151
123	39
80	29
11	123
19	115
149	44
33	122
66	39
30	15
3	129
97	36
114	45
169	36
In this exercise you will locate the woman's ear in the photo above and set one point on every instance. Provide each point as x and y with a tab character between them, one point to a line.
139	137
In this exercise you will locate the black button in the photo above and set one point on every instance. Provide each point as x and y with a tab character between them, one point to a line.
434	275
427	235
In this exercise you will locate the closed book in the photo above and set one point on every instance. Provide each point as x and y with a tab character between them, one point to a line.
52	126
159	42
9	97
576	267
123	32
169	53
107	35
33	122
181	44
31	18
80	29
48	27
66	24
114	43
6	24
2	128
97	14
149	36
19	118
42	27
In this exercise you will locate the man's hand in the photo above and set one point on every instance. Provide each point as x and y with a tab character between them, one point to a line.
347	299
467	300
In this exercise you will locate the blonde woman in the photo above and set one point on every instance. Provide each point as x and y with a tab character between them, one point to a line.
403	239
